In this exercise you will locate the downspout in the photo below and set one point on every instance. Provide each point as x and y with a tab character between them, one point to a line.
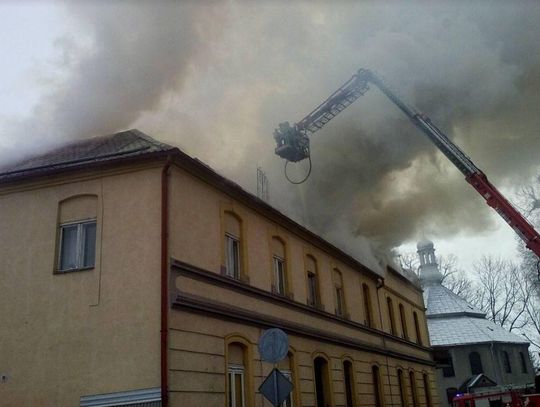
164	280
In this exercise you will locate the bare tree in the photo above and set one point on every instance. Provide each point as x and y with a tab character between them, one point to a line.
503	292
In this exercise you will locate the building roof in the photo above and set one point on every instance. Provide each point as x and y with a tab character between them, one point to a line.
451	320
467	330
123	145
441	302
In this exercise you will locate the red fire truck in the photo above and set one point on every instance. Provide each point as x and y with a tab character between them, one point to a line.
497	399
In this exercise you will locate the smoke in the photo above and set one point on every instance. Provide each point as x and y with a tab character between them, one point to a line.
217	78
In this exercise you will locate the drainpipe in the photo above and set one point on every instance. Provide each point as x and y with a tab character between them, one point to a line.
164	280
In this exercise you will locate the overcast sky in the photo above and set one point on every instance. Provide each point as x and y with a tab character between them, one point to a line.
215	78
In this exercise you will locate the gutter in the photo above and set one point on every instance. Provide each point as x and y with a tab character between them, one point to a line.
164	281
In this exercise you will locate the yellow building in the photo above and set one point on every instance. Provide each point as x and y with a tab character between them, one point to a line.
133	274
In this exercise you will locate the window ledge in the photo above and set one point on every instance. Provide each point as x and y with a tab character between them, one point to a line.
67	271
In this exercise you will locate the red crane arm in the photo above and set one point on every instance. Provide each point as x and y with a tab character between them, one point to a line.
293	145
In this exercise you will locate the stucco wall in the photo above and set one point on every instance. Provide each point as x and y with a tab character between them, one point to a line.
86	332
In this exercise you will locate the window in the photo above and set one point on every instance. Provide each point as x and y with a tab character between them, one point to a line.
391	315
523	362
232	245
412	381
506	362
77	245
377	385
312	282
233	249
427	390
476	363
448	370
289	401
237	376
367	305
417	328
348	378
402	388
286	366
339	293
279	278
236	385
403	321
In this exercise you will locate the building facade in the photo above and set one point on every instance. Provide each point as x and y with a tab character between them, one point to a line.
135	275
477	353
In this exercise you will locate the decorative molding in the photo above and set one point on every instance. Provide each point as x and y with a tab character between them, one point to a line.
194	303
181	268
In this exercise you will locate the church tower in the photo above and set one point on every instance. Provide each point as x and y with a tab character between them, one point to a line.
429	269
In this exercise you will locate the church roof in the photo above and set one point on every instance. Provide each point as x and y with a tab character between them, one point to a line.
441	302
467	330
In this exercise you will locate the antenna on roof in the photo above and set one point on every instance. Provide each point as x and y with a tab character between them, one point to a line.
262	185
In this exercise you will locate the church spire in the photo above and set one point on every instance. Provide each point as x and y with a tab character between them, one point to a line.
429	269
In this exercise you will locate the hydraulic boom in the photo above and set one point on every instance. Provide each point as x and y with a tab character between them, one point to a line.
293	145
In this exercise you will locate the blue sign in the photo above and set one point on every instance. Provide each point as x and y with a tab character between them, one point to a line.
276	388
273	345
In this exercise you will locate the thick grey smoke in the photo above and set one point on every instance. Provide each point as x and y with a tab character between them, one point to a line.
217	78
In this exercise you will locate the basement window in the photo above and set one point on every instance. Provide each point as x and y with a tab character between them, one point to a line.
77	246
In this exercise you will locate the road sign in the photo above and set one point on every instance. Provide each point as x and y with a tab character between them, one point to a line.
276	387
273	345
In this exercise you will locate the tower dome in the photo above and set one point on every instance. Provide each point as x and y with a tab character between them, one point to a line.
424	244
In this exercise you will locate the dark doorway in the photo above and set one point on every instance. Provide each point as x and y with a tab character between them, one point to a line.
321	382
349	383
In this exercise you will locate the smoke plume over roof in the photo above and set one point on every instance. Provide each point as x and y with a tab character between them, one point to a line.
216	78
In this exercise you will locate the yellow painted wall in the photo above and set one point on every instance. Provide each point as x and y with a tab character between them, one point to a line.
85	332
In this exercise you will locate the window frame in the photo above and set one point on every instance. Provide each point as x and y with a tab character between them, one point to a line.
312	294
403	319
280	275
80	244
232	371
474	364
369	319
237	272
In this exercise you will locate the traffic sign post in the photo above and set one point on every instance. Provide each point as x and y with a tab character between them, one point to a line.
273	348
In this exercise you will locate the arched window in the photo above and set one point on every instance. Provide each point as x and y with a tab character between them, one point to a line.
377	386
233	245
427	390
476	363
339	292
236	375
312	282
403	319
279	267
506	362
322	382
523	362
368	311
350	388
402	388
390	305
77	232
417	328
412	383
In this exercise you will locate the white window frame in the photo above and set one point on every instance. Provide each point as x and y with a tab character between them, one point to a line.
232	371
290	400
230	243
80	245
279	275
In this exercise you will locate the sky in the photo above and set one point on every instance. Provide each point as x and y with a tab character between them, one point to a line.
215	78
